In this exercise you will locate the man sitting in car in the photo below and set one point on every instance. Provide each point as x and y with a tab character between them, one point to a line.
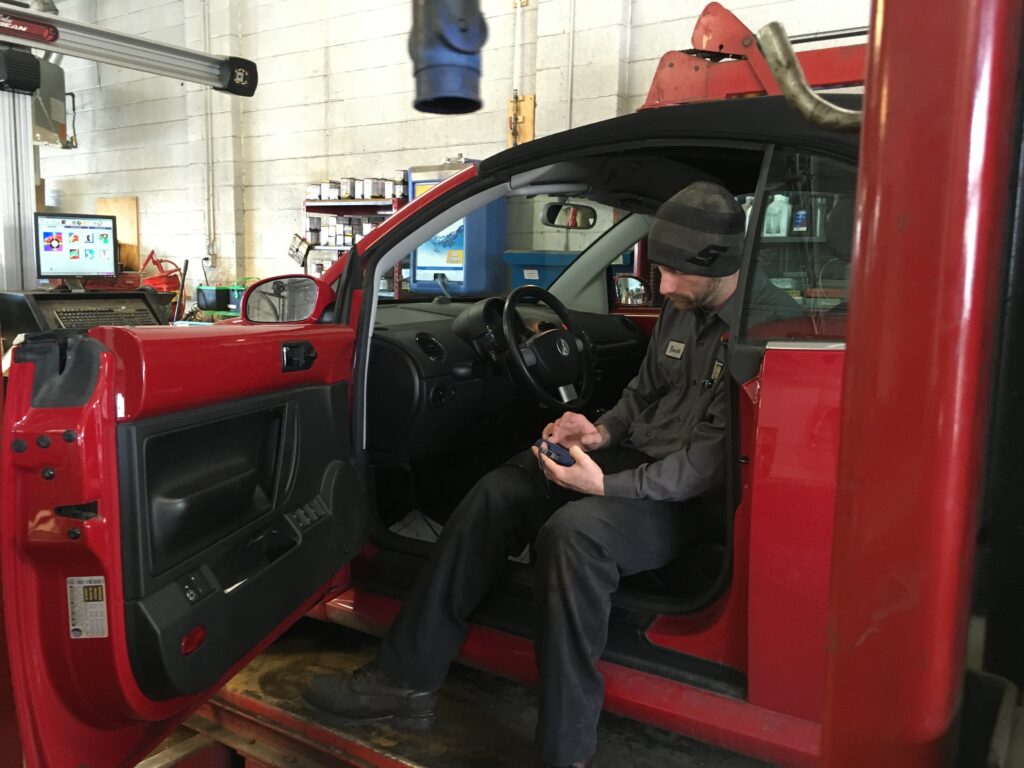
621	508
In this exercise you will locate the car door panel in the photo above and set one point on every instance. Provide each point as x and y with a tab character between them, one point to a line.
133	588
161	372
793	495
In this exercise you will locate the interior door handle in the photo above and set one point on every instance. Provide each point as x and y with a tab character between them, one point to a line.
297	356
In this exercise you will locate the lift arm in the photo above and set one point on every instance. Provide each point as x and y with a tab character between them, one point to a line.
725	62
23	27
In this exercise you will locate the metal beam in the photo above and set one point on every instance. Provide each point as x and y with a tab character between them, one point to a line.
20	26
17	192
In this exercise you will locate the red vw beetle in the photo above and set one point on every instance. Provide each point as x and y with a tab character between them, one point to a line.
321	443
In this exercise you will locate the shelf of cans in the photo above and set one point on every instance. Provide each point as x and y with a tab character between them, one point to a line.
358	189
339	212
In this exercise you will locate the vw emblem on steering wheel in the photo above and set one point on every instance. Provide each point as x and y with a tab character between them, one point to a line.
563	347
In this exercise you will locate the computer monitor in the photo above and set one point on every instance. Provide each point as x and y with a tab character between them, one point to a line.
75	245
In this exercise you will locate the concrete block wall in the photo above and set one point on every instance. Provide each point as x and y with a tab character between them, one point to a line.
223	176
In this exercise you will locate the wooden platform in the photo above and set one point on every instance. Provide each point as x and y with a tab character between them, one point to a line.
484	720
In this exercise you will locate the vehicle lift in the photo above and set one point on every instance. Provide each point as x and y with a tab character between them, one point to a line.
267	728
22	29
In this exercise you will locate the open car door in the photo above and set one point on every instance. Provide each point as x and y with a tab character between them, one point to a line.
172	500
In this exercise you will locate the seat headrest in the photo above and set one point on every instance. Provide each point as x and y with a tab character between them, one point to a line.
839	229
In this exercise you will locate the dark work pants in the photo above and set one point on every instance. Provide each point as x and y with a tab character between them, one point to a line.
583	546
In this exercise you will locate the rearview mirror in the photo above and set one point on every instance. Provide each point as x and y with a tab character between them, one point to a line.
631	290
568	216
289	299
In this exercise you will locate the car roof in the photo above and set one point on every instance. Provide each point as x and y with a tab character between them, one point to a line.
763	119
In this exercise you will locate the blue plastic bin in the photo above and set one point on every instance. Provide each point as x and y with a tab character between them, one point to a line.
537	267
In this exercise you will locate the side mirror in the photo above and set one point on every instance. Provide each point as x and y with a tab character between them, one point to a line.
568	216
631	290
288	299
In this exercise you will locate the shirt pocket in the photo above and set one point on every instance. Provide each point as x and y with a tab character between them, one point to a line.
675	372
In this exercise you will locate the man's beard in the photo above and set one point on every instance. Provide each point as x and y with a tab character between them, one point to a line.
683	302
686	301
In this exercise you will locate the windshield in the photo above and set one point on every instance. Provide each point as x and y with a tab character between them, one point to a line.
509	242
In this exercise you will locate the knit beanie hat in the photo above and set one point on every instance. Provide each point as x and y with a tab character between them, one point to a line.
699	230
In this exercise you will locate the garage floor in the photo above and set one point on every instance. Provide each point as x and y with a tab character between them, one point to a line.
484	720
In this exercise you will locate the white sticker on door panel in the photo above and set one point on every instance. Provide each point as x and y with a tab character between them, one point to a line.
87	606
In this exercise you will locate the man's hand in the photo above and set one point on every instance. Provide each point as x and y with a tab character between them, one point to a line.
575	429
583	476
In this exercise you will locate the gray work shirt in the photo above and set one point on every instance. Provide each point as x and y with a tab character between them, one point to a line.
675	409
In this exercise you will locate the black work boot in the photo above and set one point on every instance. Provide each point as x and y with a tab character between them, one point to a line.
368	694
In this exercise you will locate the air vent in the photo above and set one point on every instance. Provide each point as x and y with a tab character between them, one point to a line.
431	347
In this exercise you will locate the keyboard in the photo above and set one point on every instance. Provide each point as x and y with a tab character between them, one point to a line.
90	317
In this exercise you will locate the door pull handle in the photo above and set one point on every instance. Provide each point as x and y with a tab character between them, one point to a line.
297	356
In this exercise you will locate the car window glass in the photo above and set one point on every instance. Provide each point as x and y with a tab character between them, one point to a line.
501	246
802	250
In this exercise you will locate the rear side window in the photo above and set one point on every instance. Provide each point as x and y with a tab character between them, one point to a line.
802	248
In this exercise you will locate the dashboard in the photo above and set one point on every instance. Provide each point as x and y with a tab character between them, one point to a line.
439	372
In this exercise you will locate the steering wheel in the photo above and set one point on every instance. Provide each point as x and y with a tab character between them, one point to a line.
557	362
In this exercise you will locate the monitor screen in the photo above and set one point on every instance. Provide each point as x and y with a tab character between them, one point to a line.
75	245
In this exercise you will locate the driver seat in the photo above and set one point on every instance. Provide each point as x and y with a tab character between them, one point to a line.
698	574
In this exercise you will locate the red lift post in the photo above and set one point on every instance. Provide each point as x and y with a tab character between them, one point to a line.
935	195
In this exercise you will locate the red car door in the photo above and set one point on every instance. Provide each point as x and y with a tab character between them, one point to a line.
172	499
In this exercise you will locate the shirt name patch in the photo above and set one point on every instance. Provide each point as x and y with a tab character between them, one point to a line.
675	349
